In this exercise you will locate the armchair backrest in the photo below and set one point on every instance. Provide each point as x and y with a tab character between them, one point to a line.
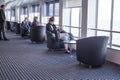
92	50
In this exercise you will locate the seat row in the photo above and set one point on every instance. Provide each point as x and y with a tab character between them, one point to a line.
91	50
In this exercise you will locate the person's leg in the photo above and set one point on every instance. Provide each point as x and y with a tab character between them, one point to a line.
65	38
0	34
3	33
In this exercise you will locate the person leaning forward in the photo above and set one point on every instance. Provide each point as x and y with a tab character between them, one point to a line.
2	23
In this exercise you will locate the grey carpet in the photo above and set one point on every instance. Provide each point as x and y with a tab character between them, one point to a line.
22	60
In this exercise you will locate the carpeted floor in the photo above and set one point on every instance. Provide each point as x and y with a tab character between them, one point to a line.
22	60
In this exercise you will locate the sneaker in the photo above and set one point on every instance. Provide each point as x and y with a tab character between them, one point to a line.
1	39
67	51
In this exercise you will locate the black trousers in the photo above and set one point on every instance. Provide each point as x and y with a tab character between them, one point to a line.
2	31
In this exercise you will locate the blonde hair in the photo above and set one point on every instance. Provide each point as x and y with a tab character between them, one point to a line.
26	18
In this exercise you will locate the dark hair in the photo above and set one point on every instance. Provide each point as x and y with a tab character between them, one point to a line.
51	19
2	6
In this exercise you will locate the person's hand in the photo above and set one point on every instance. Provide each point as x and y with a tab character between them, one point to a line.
58	28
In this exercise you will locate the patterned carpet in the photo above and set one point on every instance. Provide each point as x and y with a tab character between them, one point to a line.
22	60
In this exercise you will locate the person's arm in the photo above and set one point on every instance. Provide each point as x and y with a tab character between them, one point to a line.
48	28
22	24
1	16
30	24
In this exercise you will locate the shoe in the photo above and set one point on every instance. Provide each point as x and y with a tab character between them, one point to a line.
1	39
68	48
67	51
6	39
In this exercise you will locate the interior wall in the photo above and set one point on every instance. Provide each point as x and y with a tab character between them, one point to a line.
113	56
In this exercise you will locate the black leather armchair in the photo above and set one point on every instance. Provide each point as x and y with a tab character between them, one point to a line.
8	26
52	43
37	34
92	50
18	28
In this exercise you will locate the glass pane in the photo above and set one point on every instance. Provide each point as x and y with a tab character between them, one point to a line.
37	8
57	20
116	38
44	20
56	9
8	15
33	9
103	33
22	18
67	29
66	17
116	16
75	17
13	19
31	16
90	33
75	32
38	15
51	10
22	11
91	13
104	14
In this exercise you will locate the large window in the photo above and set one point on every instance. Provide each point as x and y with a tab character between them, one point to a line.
34	11
104	13
104	19
13	15
116	25
8	15
24	13
51	9
72	20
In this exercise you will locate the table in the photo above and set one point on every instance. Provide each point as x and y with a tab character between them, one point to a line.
71	44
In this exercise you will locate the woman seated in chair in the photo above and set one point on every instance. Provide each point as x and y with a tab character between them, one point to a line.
35	22
58	32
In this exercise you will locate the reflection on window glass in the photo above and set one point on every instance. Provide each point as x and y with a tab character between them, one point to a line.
91	13
75	17
90	33
66	17
116	38
56	9
104	13
51	9
116	16
67	29
75	32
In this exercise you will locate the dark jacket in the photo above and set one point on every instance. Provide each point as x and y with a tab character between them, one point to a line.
2	16
35	24
48	28
26	25
52	28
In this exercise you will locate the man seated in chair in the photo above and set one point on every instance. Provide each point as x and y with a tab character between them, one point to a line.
58	33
